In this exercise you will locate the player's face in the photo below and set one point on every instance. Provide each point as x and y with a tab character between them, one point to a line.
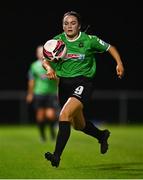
71	26
39	52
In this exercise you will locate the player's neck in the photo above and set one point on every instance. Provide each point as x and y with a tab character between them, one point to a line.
73	38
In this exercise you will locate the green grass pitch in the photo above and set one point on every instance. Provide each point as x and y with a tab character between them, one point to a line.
22	155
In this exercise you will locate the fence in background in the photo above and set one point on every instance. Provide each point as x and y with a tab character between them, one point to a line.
114	106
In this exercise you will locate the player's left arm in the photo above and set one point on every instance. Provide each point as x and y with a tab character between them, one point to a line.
116	56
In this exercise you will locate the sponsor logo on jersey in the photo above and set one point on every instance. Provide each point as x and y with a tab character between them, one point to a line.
75	56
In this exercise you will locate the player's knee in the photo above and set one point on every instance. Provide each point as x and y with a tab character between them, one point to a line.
51	113
51	117
40	117
65	115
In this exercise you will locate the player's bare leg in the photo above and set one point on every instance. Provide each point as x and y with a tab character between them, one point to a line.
68	111
52	120
72	113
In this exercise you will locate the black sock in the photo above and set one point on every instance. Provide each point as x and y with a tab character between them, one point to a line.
52	127
41	126
92	130
62	138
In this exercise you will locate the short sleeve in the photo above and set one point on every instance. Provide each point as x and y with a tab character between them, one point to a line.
98	44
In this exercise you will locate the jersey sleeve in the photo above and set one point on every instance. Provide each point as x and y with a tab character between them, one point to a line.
98	44
57	37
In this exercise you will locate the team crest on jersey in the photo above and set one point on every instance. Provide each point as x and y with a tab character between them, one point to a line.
81	44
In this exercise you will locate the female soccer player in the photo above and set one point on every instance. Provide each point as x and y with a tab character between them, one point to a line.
76	75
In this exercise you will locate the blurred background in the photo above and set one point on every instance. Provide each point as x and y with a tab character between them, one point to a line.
24	26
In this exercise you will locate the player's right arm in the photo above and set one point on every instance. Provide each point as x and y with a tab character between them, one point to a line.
51	74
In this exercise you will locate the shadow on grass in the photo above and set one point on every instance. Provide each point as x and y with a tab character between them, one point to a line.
132	166
113	170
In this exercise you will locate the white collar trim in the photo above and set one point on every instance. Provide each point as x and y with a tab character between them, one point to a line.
73	39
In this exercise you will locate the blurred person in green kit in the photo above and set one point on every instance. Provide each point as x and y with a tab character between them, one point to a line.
42	92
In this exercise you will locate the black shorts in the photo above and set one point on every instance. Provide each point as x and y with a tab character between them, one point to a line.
79	87
45	101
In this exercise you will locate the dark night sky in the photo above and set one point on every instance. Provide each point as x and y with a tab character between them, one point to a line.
24	26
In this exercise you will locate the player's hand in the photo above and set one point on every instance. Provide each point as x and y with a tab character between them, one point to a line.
120	70
51	74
